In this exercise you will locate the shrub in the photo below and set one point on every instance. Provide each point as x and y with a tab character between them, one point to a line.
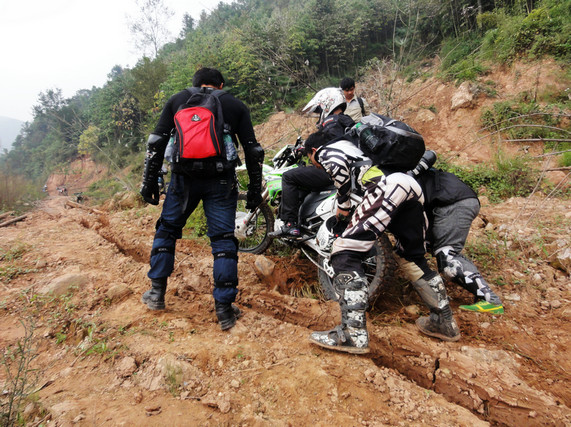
501	179
104	189
546	30
460	60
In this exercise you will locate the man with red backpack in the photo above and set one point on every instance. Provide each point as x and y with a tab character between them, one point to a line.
203	170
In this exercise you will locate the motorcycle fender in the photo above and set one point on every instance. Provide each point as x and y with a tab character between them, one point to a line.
326	207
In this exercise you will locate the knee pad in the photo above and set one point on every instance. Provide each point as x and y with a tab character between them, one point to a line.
225	268
432	292
226	236
450	266
162	250
165	232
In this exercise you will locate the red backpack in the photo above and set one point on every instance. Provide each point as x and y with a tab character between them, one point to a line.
200	129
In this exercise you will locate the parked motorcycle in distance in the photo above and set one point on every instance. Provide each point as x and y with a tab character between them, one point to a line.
316	221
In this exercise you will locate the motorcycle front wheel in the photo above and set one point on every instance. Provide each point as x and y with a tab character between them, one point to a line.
379	270
253	237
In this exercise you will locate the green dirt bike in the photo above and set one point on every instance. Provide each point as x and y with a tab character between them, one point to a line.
317	224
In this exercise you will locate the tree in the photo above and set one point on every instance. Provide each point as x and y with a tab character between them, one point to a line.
150	28
88	141
187	25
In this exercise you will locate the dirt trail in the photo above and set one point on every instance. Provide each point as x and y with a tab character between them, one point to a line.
105	359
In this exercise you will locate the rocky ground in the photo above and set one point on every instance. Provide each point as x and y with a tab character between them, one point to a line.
72	276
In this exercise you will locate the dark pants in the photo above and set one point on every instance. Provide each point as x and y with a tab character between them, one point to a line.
219	197
296	184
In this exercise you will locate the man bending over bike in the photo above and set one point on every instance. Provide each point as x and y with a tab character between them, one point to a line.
391	200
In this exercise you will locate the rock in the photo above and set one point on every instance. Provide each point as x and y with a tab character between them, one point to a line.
31	410
129	200
463	97
556	304
118	292
126	367
153	410
512	297
61	285
413	310
562	259
62	408
425	115
270	275
79	418
137	397
484	201
220	401
264	266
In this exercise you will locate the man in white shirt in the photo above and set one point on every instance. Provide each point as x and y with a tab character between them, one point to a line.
356	107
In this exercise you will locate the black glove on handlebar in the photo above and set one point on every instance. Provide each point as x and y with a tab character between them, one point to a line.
253	199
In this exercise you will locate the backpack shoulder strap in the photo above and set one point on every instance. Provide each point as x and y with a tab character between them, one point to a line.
218	92
360	101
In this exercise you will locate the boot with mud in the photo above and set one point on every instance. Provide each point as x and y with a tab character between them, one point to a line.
155	297
351	336
227	314
440	323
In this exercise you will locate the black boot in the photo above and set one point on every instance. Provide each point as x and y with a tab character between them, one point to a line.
227	314
440	325
155	297
351	336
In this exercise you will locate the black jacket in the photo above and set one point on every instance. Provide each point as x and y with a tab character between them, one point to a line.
336	125
442	188
236	115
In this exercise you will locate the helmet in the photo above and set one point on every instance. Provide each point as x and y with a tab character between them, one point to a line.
328	100
330	230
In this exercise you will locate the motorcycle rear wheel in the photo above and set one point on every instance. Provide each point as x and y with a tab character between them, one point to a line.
255	239
379	270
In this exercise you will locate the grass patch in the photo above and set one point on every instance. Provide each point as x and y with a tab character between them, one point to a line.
498	180
11	263
103	190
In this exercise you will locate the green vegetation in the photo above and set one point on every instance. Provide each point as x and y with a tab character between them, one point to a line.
274	55
511	30
196	224
526	121
104	189
11	263
19	376
501	179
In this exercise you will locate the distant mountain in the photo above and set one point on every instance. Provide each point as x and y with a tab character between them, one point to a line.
9	130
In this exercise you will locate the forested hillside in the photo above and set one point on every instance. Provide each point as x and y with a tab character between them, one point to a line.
487	85
275	54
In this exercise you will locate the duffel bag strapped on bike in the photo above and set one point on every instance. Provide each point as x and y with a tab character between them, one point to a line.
391	144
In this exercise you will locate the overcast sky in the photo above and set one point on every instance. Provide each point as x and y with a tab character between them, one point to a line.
68	44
